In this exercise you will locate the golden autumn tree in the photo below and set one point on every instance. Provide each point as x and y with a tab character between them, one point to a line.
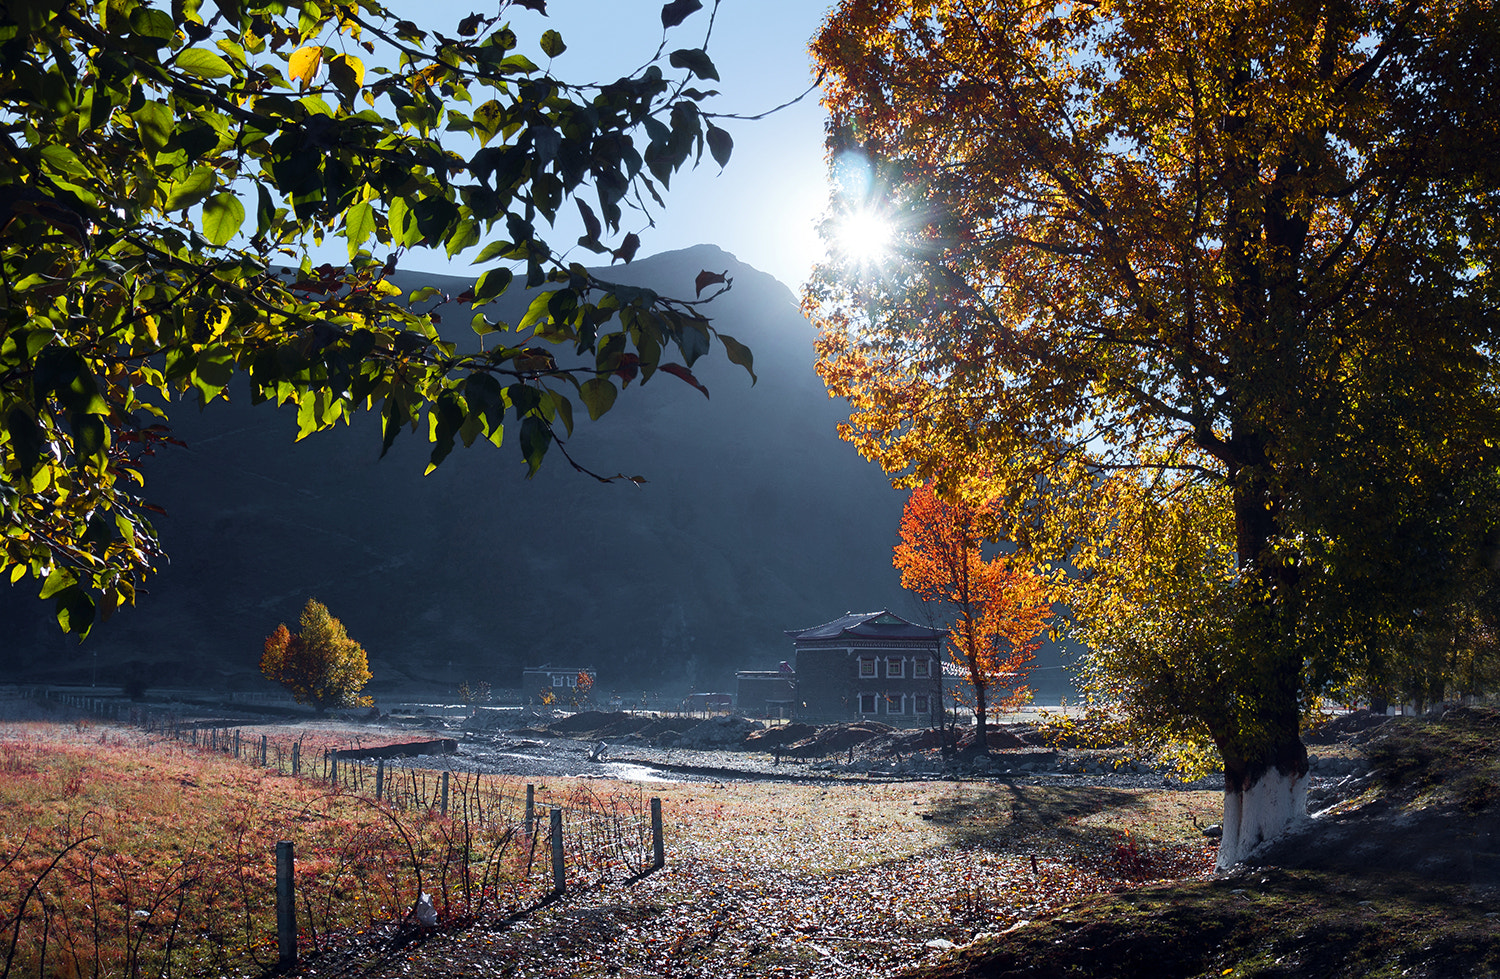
1203	294
320	665
997	610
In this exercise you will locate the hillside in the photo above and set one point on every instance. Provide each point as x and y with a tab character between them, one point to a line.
755	519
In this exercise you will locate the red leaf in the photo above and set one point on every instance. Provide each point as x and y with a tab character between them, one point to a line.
677	370
627	248
706	279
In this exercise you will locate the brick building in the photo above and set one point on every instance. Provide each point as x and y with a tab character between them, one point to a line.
872	665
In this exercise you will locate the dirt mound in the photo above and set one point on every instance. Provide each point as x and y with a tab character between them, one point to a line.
838	737
1343	727
1429	804
771	738
592	721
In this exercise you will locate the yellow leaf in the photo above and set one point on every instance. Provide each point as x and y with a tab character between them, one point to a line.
304	63
355	67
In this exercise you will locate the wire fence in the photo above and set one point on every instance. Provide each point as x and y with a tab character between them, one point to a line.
424	845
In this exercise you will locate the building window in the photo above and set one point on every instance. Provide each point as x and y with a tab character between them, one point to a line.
867	667
558	681
895	703
867	703
919	702
895	666
921	667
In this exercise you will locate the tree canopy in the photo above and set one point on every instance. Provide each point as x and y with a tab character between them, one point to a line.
997	608
165	170
320	665
1204	295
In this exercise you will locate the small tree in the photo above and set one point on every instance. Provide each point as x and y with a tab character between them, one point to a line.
998	610
321	666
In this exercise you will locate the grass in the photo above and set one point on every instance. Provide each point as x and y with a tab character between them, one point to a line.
124	855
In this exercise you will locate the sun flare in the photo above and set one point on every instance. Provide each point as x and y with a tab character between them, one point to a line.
863	237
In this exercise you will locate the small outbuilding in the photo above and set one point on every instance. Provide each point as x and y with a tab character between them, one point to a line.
869	665
562	682
767	694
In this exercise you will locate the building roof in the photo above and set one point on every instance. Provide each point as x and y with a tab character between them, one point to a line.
867	625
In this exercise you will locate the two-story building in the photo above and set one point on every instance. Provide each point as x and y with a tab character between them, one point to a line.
873	665
561	682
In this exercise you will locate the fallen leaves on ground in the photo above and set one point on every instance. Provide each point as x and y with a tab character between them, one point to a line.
838	880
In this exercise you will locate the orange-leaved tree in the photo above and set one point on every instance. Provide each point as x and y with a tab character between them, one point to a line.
320	665
998	609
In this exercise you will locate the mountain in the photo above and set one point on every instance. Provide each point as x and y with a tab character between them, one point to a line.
754	519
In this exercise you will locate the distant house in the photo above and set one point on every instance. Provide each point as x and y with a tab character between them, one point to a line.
767	693
561	682
873	665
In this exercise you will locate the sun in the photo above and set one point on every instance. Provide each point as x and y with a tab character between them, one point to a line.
863	237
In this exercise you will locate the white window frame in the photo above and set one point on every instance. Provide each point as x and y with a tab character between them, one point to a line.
874	664
921	668
559	681
874	703
920	704
900	701
900	662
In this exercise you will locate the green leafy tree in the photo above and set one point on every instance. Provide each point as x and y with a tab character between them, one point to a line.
320	665
1205	297
164	169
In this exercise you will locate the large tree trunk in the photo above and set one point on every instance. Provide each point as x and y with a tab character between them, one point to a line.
1263	798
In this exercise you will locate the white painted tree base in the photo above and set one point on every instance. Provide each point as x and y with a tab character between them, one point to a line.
1272	805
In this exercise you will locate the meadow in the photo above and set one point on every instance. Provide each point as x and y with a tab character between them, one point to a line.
125	852
128	853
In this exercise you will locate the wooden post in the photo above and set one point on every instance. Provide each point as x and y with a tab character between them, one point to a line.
286	905
559	874
263	758
379	778
296	757
333	768
236	743
530	809
444	810
658	845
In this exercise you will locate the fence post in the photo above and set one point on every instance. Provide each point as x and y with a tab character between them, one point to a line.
236	744
530	809
333	768
559	877
379	778
286	906
658	846
263	758
444	810
296	757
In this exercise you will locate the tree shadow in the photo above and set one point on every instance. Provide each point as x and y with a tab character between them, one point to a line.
1000	816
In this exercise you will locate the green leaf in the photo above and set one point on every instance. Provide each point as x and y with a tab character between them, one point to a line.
739	354
677	11
598	395
552	44
75	611
154	125
150	22
720	145
190	190
695	60
359	225
492	284
203	63
535	438
223	214
26	438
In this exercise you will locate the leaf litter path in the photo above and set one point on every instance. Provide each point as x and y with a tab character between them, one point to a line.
838	880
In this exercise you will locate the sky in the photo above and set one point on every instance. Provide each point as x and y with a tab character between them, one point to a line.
764	206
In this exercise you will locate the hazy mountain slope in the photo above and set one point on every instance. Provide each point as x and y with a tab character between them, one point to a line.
755	519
